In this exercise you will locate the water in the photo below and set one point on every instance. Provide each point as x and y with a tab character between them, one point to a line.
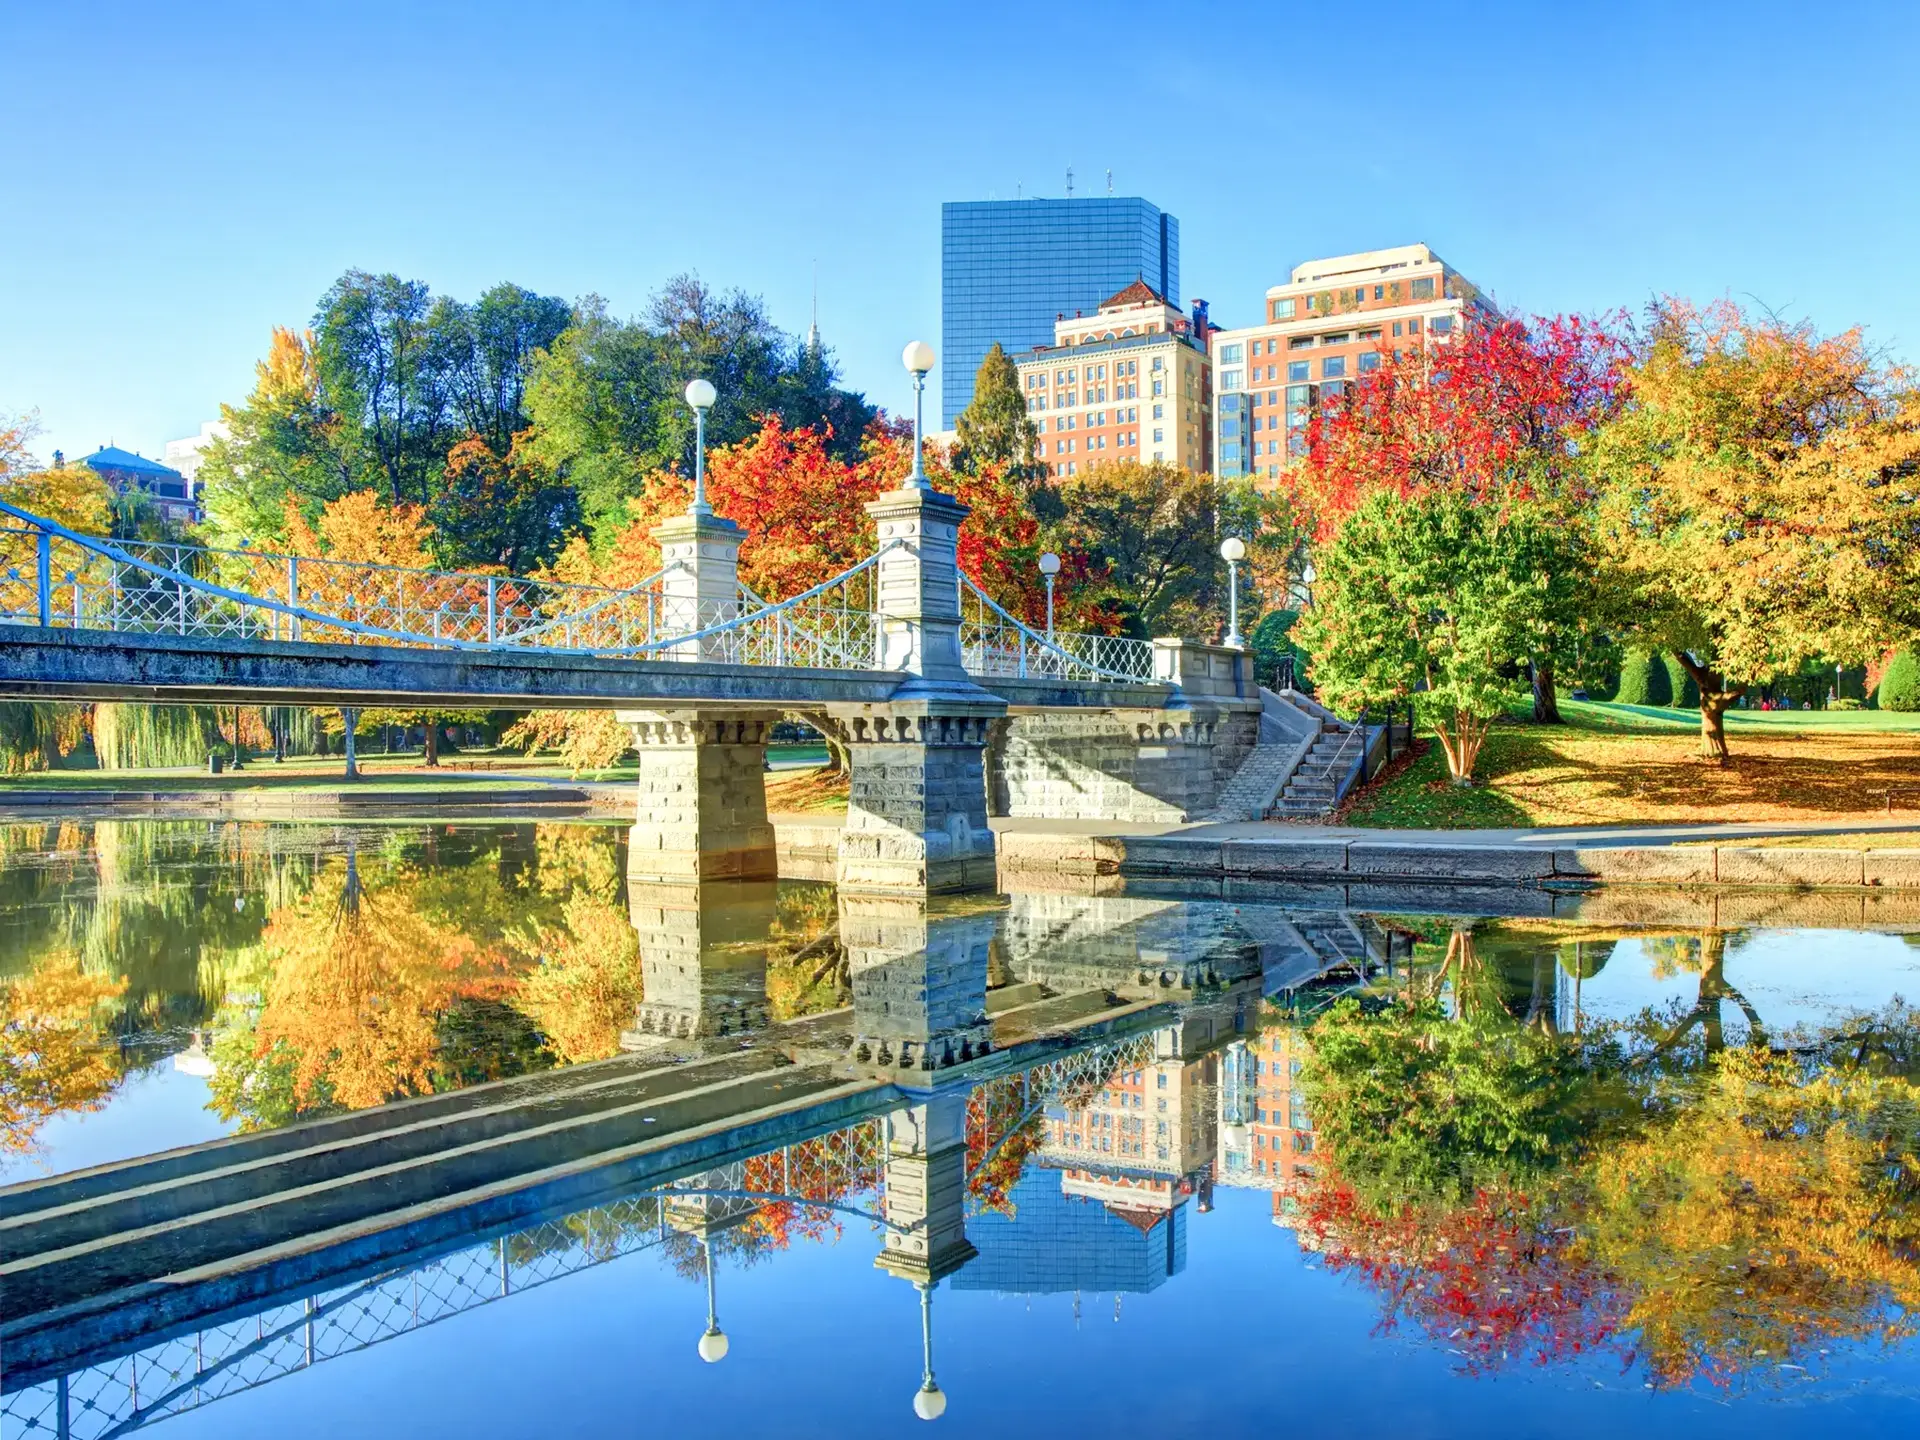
1224	1166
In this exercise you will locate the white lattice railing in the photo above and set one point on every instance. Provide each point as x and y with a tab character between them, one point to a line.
993	644
52	576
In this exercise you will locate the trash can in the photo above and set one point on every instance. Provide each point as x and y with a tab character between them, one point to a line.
216	762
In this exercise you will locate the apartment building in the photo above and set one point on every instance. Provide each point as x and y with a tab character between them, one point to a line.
1330	323
1131	381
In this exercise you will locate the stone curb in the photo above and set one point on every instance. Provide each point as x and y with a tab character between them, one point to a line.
1303	858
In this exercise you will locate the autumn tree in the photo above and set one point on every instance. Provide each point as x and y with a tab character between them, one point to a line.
1757	499
995	428
1430	598
286	442
1501	414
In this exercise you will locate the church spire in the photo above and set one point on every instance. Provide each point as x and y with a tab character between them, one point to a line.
813	329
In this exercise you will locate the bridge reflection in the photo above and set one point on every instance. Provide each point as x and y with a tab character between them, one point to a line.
1069	1048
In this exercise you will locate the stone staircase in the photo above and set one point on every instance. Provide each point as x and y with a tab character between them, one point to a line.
1313	789
1295	769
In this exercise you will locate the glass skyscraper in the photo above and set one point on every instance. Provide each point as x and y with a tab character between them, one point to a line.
1009	267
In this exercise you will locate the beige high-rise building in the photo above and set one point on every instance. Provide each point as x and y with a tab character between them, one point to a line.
1129	382
1330	323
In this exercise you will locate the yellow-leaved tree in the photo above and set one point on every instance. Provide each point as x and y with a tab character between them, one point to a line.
1756	494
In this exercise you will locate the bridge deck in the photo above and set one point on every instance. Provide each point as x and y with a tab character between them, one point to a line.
64	664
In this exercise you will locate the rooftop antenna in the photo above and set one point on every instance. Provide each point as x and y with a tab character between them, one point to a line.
1069	180
1018	188
1109	182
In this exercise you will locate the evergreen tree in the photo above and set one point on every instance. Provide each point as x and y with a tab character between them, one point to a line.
995	428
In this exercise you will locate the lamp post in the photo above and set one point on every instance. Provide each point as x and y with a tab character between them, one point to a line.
1049	567
918	358
929	1401
1233	550
713	1344
700	395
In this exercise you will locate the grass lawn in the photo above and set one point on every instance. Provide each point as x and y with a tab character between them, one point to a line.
807	792
1627	764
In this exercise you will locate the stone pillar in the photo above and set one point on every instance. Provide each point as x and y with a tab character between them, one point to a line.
703	963
702	804
917	811
919	981
917	799
926	1238
702	587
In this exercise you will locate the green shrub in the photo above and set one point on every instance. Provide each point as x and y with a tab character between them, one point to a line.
1643	680
1270	642
1846	703
1681	686
1900	683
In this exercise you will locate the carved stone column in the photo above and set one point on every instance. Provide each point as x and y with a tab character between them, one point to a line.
702	803
926	1192
702	585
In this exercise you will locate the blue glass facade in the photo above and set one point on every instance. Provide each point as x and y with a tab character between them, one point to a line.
1009	267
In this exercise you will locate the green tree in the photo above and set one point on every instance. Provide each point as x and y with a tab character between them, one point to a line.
1429	597
995	428
1644	680
1145	537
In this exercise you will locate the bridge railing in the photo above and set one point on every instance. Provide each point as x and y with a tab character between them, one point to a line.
55	577
996	645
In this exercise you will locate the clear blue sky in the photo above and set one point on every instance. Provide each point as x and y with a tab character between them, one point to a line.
179	178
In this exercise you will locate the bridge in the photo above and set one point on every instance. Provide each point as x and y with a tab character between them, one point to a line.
946	702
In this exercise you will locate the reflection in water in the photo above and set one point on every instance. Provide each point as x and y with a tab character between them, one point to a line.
1530	1142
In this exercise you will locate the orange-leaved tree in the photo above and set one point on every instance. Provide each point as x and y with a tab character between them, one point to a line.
56	1055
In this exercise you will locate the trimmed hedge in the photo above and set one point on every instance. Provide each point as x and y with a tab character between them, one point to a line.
1900	684
1680	685
1644	680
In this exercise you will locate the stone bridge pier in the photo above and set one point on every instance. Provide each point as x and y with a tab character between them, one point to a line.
926	1190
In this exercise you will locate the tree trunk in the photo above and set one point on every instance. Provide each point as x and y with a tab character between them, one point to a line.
433	745
351	715
1715	698
1462	747
1546	701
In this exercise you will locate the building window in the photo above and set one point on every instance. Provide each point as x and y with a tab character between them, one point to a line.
1310	300
1379	292
1441	325
1157	435
1333	367
1360	295
1160	1081
1283	309
1232	354
1230	379
1369	361
1159	387
1297	370
1340	339
1413	326
1300	342
1159	363
1423	288
1373	334
1159	411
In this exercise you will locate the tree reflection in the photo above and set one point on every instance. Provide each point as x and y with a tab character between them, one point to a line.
54	1055
1711	1211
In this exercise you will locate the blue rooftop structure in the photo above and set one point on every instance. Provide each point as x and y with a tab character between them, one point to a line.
112	457
124	471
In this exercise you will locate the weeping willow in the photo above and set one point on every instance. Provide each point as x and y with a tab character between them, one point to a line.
34	737
143	737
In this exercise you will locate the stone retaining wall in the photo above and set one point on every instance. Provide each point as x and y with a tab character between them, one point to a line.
1160	766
